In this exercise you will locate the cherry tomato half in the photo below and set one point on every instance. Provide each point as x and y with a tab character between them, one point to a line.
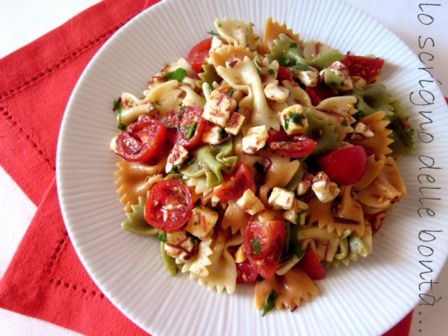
141	141
235	184
263	245
345	165
285	73
365	67
169	205
191	127
298	147
246	273
311	265
196	56
319	93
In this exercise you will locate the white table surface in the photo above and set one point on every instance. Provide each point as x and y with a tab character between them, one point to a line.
25	20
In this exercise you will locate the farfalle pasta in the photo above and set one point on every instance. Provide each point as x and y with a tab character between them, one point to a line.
261	159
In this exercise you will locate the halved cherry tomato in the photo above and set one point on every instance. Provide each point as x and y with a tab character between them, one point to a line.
191	127
141	141
285	73
276	136
235	184
345	165
299	147
263	245
169	205
365	67
311	265
196	56
319	93
246	273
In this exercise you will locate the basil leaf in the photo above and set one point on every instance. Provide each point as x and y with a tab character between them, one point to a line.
177	74
162	236
255	246
270	302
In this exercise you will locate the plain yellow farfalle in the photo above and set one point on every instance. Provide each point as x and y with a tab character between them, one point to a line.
319	240
133	180
379	195
279	174
227	54
291	288
379	143
273	29
237	33
244	76
347	215
234	218
165	96
197	265
222	269
374	167
297	95
191	98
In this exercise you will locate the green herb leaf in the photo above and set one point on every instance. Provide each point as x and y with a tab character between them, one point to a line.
255	246
213	33
222	133
295	118
270	302
177	74
117	109
293	45
162	236
358	115
271	72
191	130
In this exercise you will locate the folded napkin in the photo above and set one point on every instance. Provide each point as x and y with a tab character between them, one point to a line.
45	278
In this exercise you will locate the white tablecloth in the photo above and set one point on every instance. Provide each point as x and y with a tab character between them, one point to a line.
417	23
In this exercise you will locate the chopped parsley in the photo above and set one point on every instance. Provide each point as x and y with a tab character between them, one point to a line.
293	45
271	72
213	33
298	252
270	302
295	118
255	246
191	130
117	109
162	236
177	74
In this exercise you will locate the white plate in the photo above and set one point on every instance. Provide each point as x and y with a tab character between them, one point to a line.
368	298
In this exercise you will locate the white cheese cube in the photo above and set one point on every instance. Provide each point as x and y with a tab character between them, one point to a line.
323	188
255	139
177	156
234	123
303	187
250	203
297	214
178	245
364	130
309	78
293	119
277	93
218	108
201	222
338	76
216	43
281	198
214	136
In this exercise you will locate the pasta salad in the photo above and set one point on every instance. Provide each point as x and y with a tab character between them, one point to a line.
262	160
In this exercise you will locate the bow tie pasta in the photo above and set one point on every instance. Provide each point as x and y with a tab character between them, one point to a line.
261	159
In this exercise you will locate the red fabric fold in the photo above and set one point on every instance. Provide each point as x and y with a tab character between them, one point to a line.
45	278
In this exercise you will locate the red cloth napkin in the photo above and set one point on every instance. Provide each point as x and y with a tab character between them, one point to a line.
45	278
